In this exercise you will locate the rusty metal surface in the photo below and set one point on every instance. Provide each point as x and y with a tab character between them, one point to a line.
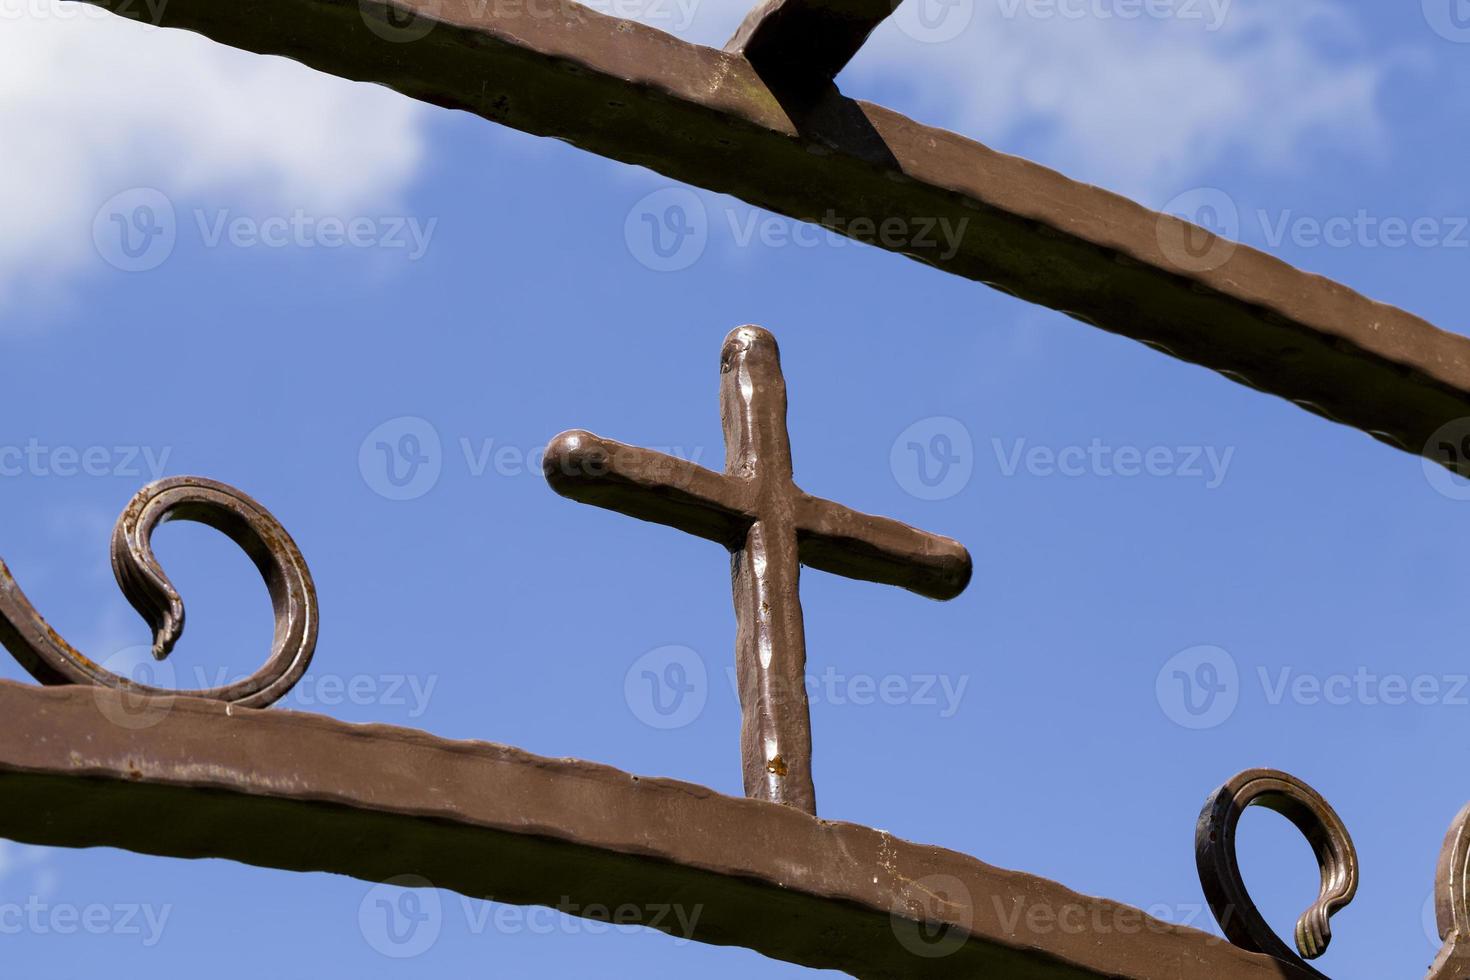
52	660
1452	902
1219	871
94	761
706	117
303	792
771	528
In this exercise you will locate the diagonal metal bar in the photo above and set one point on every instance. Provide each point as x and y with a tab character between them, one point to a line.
83	767
706	117
807	42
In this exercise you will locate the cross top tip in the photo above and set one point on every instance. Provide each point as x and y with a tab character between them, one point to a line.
749	339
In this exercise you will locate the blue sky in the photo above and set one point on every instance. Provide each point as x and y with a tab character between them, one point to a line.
497	289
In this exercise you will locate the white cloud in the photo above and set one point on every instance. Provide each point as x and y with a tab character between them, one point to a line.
1142	103
18	859
92	104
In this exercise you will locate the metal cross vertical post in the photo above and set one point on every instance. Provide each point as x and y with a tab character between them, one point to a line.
770	636
772	528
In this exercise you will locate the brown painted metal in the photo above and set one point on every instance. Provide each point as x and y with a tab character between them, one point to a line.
762	122
771	528
706	117
1225	889
805	43
1452	902
52	660
303	792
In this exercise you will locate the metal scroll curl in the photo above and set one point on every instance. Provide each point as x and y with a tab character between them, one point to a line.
1452	902
53	661
1219	872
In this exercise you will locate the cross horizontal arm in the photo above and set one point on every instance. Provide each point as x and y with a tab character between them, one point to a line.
302	792
648	485
841	540
637	95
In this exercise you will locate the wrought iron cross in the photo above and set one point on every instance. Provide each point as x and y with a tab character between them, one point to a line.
771	528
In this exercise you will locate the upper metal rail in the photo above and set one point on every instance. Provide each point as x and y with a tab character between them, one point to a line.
710	118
